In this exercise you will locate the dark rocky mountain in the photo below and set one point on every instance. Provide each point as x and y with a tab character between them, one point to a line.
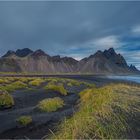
23	52
133	68
38	53
26	60
9	53
107	62
9	65
20	53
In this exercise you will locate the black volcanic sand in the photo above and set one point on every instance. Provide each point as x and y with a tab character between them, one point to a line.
25	104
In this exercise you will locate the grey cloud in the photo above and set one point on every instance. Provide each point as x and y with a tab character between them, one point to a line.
57	27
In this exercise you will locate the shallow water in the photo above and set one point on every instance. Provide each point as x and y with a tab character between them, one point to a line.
135	78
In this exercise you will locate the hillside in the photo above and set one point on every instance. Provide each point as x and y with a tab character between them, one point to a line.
26	60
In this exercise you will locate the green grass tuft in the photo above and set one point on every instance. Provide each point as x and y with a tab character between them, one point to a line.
51	104
104	113
69	84
24	120
25	79
59	88
4	81
36	82
14	86
6	100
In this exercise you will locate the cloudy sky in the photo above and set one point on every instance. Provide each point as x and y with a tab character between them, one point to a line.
75	29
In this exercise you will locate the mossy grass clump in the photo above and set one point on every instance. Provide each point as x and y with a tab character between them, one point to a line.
25	79
12	79
75	82
8	80
52	79
19	85
4	81
36	82
69	84
104	113
58	88
6	100
51	104
24	120
14	86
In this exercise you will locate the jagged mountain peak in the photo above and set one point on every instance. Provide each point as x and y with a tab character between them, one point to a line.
20	52
132	67
39	52
23	52
102	62
97	54
9	53
109	53
70	60
65	59
56	58
118	59
111	50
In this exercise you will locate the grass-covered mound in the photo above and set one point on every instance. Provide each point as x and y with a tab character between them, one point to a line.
36	82
25	79
6	100
4	81
58	88
110	112
51	104
14	86
24	120
68	82
7	80
11	84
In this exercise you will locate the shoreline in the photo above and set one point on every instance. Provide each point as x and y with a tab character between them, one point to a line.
97	79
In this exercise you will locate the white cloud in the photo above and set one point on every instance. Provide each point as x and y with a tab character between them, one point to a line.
136	30
107	42
76	56
132	57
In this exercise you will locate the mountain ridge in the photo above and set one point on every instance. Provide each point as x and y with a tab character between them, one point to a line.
101	62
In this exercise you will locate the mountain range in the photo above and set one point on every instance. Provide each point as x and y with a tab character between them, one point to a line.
102	62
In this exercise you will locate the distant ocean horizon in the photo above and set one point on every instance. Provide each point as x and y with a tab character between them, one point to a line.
133	78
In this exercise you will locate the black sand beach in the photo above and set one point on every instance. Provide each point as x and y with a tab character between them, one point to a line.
43	123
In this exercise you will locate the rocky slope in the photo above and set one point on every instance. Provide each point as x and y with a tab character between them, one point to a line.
26	60
105	62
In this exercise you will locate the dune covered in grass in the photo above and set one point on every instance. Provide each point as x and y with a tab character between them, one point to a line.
24	120
50	104
13	86
109	112
57	88
36	82
6	100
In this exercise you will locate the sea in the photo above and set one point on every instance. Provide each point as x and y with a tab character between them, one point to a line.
133	78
